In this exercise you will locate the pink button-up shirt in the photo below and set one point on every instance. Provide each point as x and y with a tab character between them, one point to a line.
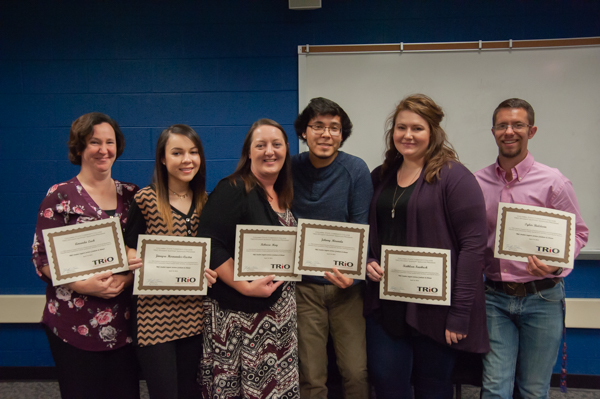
533	184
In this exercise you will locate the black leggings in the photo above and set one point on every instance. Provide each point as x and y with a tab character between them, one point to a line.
170	368
94	375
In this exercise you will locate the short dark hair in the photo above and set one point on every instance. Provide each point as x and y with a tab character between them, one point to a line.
515	103
81	130
283	185
322	106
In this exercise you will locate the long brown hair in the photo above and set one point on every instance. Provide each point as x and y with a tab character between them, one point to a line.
161	175
439	152
283	185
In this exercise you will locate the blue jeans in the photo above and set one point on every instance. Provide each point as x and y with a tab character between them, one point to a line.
525	334
391	364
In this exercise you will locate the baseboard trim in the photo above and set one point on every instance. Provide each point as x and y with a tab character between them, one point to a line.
28	309
28	373
24	374
579	381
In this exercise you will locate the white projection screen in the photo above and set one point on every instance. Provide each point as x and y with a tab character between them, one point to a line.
562	83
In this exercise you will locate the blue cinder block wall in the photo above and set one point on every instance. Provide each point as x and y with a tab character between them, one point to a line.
217	66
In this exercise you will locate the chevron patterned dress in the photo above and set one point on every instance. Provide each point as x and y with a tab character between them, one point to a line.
163	318
252	355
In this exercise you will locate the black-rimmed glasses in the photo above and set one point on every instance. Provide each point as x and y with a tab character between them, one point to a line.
334	130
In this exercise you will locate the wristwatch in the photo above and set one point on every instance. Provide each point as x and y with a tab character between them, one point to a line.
558	271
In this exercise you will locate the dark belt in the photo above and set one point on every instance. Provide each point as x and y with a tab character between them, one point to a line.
522	289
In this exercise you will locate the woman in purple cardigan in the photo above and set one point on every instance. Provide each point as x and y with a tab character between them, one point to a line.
424	198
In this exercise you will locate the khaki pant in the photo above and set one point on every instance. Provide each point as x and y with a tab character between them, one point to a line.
324	310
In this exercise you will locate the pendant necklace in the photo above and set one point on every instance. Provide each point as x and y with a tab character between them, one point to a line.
184	196
394	200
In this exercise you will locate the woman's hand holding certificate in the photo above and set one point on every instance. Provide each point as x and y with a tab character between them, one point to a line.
77	252
103	285
172	265
418	275
262	251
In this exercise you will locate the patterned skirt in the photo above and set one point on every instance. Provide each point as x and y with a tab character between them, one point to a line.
251	355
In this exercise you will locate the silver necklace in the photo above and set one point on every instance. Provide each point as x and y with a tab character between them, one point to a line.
394	200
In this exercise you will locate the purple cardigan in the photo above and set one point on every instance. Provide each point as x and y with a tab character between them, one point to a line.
448	214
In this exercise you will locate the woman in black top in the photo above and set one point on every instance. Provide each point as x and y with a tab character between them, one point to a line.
250	339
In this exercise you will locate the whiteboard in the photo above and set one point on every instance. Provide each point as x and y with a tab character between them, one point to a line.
562	85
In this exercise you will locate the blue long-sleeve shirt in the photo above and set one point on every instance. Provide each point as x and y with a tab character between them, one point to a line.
338	192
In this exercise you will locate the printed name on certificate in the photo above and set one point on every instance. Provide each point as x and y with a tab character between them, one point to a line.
322	245
264	251
172	265
525	230
77	252
417	275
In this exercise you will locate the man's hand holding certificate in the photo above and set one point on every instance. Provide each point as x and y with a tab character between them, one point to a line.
322	245
524	230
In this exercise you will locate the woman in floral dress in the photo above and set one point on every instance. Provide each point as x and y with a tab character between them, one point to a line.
87	322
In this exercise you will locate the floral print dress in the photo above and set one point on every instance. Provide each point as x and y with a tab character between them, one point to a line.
84	321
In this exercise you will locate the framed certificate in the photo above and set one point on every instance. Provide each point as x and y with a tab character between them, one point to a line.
524	230
417	275
172	265
263	251
78	251
322	245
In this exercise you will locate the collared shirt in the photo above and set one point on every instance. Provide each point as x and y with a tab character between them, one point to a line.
534	184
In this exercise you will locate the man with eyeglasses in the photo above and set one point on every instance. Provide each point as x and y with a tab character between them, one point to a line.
524	300
330	185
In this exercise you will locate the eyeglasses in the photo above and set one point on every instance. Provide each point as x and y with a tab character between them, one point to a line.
517	127
334	131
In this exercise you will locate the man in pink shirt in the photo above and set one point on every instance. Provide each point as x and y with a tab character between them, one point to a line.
524	300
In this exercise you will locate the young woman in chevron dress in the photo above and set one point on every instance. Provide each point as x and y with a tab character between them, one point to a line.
168	327
250	334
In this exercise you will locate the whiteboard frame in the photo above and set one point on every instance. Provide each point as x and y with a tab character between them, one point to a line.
304	51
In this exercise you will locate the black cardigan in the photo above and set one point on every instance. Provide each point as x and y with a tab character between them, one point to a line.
229	205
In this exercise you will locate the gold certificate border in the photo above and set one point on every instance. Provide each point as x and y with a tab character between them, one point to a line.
238	266
386	291
112	223
302	234
156	241
502	251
